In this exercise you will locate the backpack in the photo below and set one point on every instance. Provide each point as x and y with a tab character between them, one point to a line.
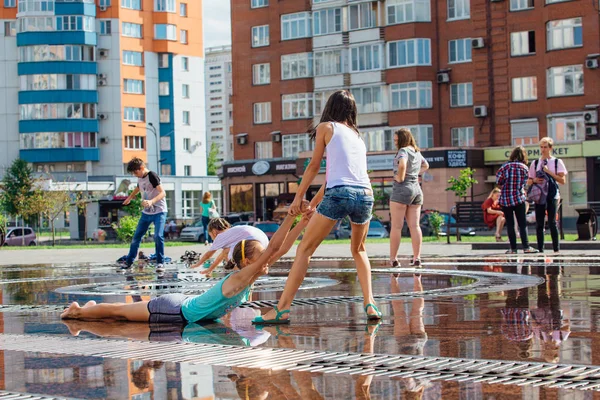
539	193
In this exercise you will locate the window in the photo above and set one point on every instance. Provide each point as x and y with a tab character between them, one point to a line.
365	58
459	50
132	4
567	129
260	36
462	137
56	53
105	27
297	106
292	145
129	29
186	117
187	170
164	5
183	36
104	3
259	3
133	86
327	21
58	81
320	99
190	200
261	74
522	43
411	95
459	9
368	99
132	58
36	24
262	113
187	144
165	116
328	62
411	52
295	66
295	26
565	81
263	150
185	64
75	23
524	89
58	140
10	28
423	134
37	5
578	185
185	91
135	114
517	5
363	15
565	33
134	142
403	11
461	94
163	89
163	60
57	111
183	10
165	32
10	3
524	132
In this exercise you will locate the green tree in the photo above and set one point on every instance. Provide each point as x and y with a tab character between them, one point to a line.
134	208
126	227
463	183
18	196
211	161
52	203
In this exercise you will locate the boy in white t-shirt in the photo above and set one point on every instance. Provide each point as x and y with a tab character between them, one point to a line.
556	172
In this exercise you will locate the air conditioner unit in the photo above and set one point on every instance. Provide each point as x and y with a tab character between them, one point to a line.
495	1
102	8
443	77
591	130
101	76
102	116
591	63
103	52
590	117
477	43
102	82
104	140
242	138
480	111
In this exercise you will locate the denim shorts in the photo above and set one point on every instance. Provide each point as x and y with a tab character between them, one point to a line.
347	201
166	309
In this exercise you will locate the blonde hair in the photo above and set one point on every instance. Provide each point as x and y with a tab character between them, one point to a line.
493	192
218	224
548	140
244	250
406	138
207	197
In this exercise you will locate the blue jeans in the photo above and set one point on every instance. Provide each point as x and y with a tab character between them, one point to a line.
342	201
159	221
205	221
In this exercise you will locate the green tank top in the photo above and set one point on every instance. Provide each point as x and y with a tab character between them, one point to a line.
212	304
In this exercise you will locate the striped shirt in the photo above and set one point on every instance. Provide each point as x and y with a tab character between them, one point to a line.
512	176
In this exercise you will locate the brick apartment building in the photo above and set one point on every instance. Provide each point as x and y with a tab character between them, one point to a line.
470	78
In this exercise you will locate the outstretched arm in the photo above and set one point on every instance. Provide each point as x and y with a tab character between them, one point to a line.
203	259
292	237
223	256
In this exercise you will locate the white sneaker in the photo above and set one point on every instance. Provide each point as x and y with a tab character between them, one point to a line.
160	268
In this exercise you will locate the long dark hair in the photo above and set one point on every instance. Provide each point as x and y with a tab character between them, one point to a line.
340	107
519	154
405	139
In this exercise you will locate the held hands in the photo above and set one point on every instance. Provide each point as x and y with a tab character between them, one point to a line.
147	203
299	207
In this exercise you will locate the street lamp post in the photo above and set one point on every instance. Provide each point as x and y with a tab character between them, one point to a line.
152	128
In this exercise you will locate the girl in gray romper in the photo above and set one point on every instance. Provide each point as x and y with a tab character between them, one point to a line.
407	196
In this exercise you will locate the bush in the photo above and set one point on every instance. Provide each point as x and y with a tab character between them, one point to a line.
436	221
126	228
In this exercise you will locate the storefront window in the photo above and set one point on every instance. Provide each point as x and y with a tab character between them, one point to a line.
191	203
382	191
292	187
241	198
170	199
578	187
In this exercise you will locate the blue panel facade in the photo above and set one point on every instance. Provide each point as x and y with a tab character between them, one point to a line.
58	96
168	103
60	155
56	38
75	9
59	125
58	67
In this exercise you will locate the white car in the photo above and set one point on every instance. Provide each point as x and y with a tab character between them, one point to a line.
193	233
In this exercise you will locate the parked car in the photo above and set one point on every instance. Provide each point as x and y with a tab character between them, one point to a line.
237	217
240	223
193	233
18	235
377	230
427	230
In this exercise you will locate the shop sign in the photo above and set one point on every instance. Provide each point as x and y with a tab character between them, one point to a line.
285	166
380	162
457	159
501	154
261	167
435	158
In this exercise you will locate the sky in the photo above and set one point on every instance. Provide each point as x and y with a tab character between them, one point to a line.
217	23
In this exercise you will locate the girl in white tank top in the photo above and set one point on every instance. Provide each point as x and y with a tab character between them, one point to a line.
347	158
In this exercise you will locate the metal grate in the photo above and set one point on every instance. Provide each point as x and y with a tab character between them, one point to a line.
7	395
578	377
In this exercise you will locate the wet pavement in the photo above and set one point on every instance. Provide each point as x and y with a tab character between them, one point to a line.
460	328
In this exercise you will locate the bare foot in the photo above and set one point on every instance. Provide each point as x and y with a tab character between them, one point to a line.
89	304
72	312
73	326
